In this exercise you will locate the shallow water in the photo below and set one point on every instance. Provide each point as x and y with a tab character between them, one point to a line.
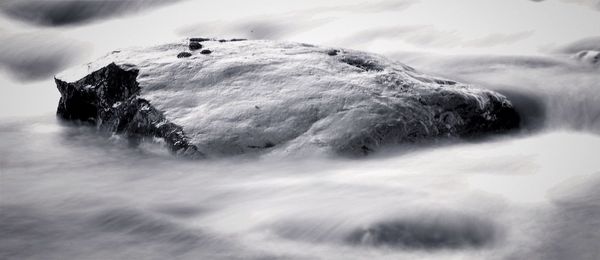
69	193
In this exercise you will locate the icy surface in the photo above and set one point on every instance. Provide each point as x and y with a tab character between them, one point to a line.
293	97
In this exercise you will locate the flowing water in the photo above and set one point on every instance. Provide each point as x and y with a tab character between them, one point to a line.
68	192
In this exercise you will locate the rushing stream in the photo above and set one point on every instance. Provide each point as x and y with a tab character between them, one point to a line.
69	192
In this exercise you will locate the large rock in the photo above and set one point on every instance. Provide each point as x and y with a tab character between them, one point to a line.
262	96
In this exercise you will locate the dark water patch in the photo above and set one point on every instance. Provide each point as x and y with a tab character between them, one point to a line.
25	231
531	107
72	12
443	232
34	232
30	57
180	211
309	230
142	224
570	229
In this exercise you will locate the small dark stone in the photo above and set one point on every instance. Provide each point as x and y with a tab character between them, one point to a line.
332	52
195	46
222	40
199	39
207	51
237	40
184	54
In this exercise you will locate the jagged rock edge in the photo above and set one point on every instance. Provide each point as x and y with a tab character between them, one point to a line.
109	98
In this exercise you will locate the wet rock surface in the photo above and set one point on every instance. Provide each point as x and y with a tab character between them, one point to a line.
275	97
108	98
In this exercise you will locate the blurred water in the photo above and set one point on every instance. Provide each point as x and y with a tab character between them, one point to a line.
68	192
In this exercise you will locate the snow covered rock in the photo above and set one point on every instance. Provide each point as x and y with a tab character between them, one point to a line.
264	96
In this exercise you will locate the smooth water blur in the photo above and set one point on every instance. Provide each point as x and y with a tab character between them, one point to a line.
68	192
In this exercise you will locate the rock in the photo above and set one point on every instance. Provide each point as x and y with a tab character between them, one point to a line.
109	98
206	51
237	40
195	46
277	98
184	54
332	52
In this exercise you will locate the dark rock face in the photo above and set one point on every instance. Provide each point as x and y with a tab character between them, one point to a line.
206	51
455	116
108	98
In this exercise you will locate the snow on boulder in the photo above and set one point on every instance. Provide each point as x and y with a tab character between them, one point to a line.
273	97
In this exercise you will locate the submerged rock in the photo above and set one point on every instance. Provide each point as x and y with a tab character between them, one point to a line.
250	96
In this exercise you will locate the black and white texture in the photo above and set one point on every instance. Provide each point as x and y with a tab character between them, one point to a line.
72	12
263	96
